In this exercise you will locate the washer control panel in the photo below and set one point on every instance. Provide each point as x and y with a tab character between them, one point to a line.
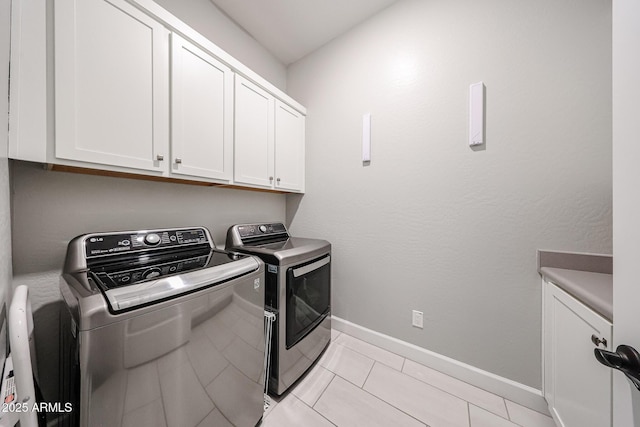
97	245
129	277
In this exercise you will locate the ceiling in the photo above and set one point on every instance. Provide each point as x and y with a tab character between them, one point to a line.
291	29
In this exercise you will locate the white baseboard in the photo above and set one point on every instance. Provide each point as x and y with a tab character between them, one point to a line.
511	390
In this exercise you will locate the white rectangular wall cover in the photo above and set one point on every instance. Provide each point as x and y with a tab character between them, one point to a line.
476	114
366	138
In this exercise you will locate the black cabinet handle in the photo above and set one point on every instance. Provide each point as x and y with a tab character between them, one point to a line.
625	359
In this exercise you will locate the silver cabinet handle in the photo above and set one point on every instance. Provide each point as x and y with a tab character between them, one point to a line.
270	178
178	160
278	180
597	341
159	157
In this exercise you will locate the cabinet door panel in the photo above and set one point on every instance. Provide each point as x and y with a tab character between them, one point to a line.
111	73
581	385
254	139
289	148
202	112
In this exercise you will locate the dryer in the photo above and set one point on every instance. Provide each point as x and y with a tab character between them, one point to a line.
298	291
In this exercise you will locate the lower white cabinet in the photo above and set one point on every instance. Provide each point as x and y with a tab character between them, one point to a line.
577	388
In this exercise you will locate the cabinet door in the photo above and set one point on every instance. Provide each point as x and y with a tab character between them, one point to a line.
254	138
201	113
581	387
289	148
111	84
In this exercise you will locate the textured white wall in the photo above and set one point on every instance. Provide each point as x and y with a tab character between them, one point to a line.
208	20
50	208
431	224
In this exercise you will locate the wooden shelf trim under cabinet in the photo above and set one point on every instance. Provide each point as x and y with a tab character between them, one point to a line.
99	172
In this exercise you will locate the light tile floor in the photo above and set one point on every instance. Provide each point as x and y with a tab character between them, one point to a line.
357	384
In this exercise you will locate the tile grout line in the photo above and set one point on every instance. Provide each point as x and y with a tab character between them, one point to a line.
371	394
511	421
324	418
348	380
369	373
314	404
325	387
335	374
532	410
389	403
504	401
425	382
293	396
379	348
455	395
351	382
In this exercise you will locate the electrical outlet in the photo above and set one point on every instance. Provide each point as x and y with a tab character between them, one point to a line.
417	319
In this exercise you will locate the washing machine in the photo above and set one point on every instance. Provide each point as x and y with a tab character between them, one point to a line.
162	329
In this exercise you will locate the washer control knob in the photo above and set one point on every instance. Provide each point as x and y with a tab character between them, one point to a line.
263	228
151	273
152	239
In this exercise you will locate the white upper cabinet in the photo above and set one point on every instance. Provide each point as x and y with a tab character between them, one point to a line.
137	91
269	140
111	84
201	113
254	136
289	148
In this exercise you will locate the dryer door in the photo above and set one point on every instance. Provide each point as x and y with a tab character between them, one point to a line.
308	297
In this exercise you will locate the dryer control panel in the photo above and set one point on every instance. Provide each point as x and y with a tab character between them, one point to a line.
247	234
251	230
